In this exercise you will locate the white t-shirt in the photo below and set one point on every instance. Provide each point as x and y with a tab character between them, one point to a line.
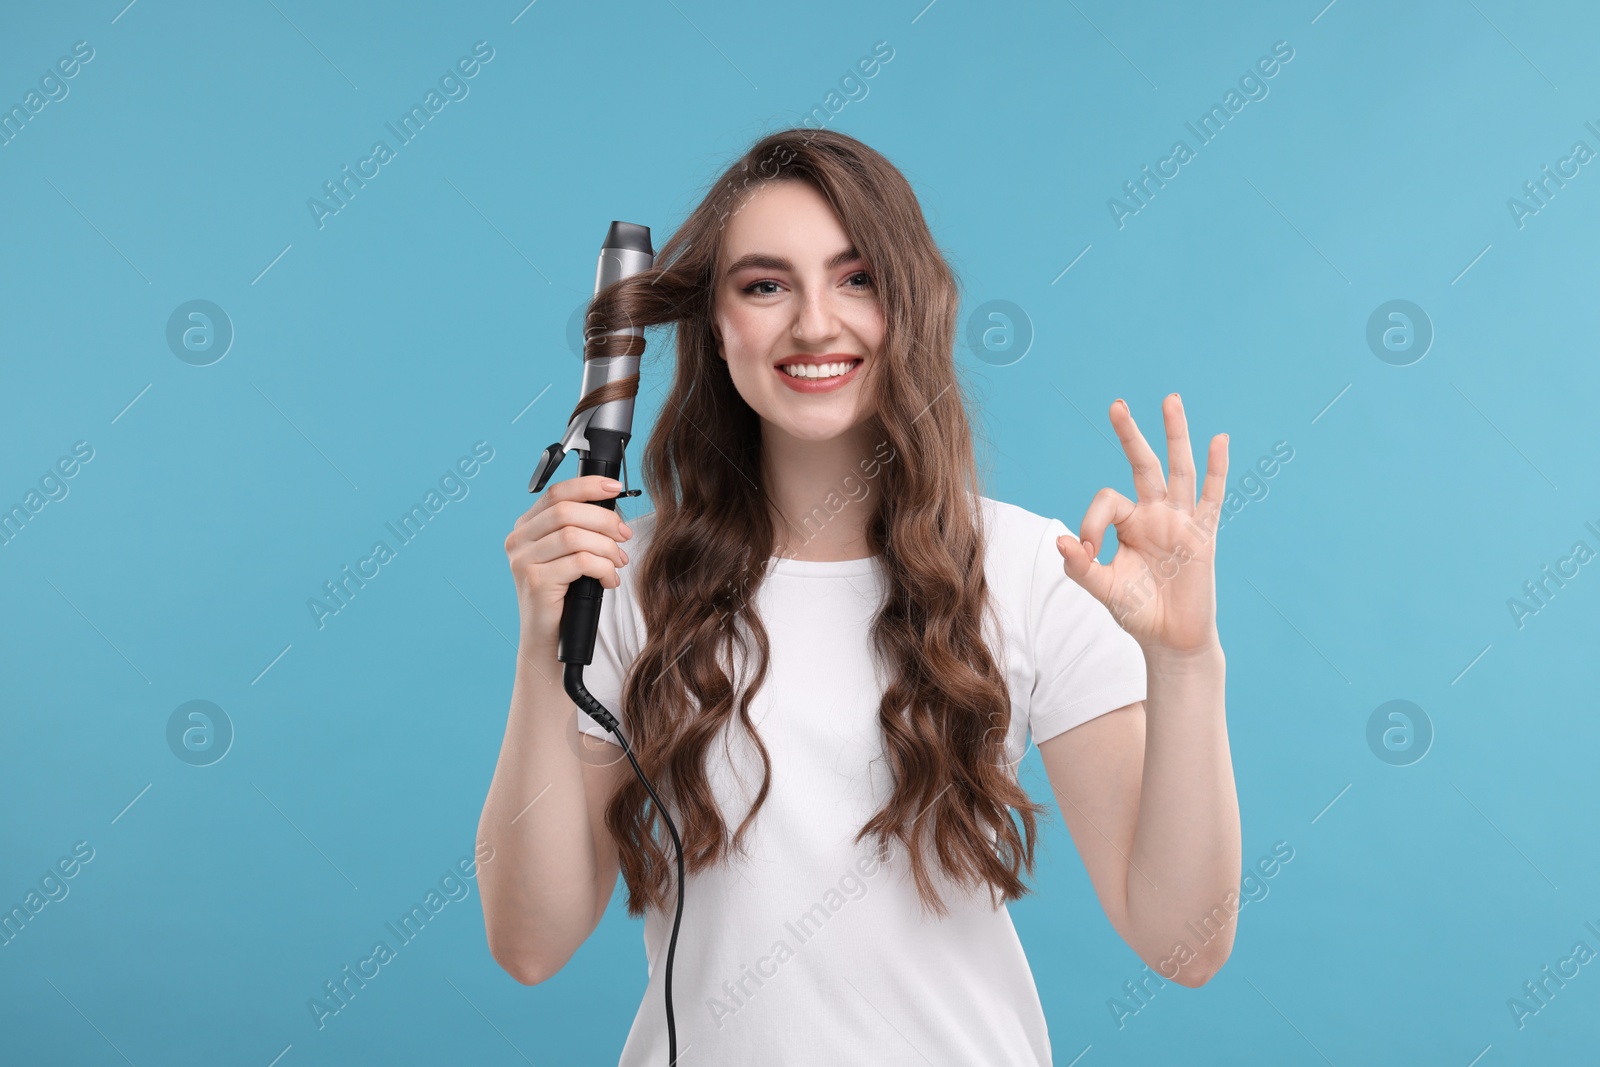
811	949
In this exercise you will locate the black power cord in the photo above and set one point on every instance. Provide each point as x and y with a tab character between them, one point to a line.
572	679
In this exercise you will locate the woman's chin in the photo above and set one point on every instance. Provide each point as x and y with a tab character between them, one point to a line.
814	428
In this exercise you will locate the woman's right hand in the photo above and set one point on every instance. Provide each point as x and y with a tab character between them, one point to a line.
560	539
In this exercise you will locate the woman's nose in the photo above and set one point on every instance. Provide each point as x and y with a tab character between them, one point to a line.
817	320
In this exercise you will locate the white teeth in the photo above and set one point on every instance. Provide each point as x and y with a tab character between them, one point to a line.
824	370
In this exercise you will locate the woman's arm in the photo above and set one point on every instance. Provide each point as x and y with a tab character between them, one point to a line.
1148	794
1148	790
555	863
1188	836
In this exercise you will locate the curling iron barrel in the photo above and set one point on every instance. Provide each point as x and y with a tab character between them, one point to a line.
601	424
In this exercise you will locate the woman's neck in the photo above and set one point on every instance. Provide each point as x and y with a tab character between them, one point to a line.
825	494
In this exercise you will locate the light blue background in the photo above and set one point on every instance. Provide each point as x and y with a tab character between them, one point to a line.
428	314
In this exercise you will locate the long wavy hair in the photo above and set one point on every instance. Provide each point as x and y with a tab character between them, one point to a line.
946	709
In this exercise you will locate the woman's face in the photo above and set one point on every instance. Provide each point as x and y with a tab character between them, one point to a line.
795	292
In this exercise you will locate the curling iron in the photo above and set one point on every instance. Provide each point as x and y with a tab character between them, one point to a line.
599	430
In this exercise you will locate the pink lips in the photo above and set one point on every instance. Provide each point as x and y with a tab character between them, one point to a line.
818	385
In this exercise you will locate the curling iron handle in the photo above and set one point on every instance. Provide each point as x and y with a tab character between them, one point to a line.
580	613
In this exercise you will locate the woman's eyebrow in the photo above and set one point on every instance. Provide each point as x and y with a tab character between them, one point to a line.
769	262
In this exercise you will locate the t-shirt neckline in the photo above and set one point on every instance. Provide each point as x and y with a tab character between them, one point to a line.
822	568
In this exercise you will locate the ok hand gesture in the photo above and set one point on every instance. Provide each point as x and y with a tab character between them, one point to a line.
1161	584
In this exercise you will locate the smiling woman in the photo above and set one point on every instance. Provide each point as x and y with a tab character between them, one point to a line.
799	321
868	694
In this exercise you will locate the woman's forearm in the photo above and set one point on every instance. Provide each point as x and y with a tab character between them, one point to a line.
1184	874
539	893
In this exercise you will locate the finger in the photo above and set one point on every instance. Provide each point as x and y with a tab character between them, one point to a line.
1180	460
1147	480
586	487
569	568
1079	563
1216	478
600	525
565	540
568	539
1108	507
570	523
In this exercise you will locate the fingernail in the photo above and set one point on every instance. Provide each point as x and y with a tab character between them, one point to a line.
624	554
1089	548
627	531
611	483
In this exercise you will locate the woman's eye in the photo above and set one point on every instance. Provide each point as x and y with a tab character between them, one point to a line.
859	280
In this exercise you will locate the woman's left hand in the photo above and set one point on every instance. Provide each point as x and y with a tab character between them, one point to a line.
1161	584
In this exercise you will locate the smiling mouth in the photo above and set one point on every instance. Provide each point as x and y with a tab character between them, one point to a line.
813	372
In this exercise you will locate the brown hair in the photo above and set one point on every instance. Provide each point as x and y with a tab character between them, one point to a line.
946	707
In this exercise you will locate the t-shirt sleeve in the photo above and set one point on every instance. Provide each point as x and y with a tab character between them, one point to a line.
1084	663
615	647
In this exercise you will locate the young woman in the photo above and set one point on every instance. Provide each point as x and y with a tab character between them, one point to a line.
833	653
